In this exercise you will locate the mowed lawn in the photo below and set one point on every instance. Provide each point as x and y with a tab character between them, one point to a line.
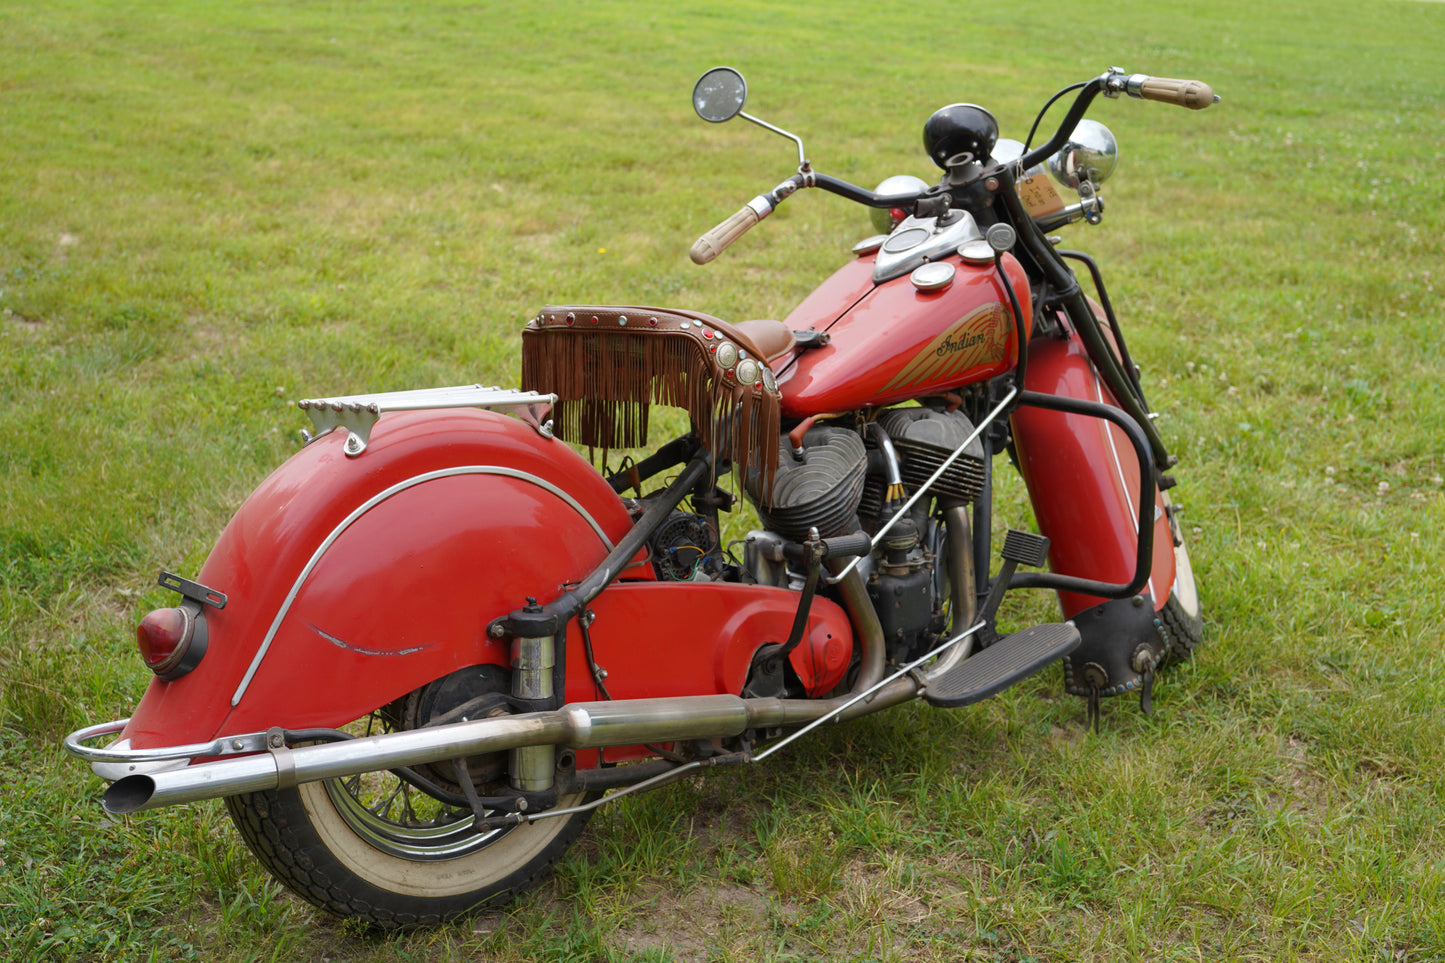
210	210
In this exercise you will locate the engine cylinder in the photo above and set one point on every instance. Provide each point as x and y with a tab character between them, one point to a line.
821	489
924	438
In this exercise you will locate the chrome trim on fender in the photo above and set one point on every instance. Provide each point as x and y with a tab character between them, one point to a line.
1130	501
377	499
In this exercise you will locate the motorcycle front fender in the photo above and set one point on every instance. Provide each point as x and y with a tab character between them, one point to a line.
350	581
1084	482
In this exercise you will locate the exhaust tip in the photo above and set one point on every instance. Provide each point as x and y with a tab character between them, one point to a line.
128	795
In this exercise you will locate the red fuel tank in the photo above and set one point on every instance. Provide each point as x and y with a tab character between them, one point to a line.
893	341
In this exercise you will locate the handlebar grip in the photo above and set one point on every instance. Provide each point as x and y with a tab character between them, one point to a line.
715	241
1194	94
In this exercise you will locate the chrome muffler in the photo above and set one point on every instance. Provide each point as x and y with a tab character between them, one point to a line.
581	725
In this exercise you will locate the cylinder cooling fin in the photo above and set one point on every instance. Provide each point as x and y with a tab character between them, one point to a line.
819	488
924	438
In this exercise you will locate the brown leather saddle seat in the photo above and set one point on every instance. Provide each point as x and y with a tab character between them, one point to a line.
773	339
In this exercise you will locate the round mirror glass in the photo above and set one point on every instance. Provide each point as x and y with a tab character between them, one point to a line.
719	95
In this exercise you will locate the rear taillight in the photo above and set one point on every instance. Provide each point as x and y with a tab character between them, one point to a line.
172	641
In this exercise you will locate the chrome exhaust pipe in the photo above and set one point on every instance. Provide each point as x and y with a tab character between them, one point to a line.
959	548
582	725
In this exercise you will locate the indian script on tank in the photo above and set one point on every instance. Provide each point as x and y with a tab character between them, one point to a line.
979	337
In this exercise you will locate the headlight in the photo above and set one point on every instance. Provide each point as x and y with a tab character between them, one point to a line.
1090	155
886	219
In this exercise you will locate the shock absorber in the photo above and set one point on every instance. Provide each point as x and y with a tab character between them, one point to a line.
532	768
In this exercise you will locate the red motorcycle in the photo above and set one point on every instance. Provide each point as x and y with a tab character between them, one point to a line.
428	644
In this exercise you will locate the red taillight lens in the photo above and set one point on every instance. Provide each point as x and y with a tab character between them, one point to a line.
168	641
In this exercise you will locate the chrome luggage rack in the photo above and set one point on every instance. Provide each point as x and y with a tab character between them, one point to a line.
357	413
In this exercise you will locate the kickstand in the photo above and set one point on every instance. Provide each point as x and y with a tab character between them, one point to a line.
1094	708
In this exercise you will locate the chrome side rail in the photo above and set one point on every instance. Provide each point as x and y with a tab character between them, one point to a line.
579	725
831	710
75	744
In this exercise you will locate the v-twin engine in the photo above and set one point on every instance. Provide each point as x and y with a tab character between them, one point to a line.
843	481
838	481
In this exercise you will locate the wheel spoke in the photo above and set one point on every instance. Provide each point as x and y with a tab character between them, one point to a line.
396	817
383	808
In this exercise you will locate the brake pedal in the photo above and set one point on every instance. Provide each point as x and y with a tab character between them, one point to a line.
1025	548
1019	548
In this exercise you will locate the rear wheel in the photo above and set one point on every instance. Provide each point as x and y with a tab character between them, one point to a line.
337	852
378	848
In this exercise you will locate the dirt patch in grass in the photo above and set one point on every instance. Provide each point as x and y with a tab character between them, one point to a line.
22	322
1307	792
873	891
690	925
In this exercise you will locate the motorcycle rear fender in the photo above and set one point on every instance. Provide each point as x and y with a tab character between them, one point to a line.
1083	480
351	581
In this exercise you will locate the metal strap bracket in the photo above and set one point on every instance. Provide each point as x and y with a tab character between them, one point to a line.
285	762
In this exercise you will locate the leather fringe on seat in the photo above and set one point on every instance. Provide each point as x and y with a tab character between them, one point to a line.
608	365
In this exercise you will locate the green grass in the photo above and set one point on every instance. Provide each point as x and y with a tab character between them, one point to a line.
208	210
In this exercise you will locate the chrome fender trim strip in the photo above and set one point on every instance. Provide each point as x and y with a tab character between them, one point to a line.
377	499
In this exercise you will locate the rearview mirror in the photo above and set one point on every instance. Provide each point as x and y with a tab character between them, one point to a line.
719	95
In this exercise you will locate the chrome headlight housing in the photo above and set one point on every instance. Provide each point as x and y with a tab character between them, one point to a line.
1090	155
886	219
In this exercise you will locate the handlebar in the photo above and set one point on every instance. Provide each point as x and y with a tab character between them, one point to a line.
716	240
1194	94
